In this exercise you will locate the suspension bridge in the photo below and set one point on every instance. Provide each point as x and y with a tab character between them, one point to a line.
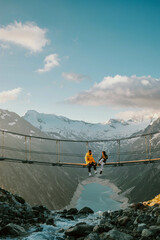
29	149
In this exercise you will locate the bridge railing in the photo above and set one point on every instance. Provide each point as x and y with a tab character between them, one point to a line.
39	148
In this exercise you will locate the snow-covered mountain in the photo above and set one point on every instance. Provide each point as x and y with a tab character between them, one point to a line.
10	121
59	126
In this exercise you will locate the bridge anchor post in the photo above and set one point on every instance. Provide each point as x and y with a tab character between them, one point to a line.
118	151
2	144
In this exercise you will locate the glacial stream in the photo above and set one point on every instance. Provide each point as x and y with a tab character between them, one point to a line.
48	232
96	195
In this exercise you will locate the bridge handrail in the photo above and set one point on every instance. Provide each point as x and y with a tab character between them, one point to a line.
82	141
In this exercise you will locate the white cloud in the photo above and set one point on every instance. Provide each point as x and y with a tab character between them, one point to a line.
6	96
111	81
27	35
74	77
50	62
122	91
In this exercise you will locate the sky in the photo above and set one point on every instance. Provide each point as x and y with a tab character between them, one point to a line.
89	60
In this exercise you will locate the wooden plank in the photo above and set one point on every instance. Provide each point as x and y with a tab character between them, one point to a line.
76	164
115	163
79	164
133	161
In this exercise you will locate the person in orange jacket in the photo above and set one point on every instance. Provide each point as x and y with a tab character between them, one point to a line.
90	162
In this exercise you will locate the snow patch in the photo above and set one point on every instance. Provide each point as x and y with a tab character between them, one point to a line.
31	131
12	123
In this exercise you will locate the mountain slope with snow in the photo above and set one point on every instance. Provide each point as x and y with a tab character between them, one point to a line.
59	126
141	181
40	185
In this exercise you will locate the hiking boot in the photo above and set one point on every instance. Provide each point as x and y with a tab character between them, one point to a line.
100	172
89	174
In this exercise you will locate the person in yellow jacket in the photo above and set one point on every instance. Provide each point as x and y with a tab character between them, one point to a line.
90	162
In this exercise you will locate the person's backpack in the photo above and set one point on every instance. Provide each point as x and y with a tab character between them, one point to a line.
106	156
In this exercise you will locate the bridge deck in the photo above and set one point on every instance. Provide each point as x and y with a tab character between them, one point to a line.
70	164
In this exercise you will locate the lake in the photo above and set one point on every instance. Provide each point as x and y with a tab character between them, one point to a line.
98	198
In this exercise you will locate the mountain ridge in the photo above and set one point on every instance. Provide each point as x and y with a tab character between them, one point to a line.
75	129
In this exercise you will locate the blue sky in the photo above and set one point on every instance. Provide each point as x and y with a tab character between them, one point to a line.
87	60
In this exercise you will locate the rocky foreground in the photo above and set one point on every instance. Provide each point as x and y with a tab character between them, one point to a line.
17	216
138	221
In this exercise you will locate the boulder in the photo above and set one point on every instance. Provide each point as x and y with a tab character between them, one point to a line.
143	218
106	214
108	226
99	228
137	206
147	233
155	229
92	236
40	209
86	210
72	211
123	220
12	230
79	230
19	199
115	235
64	211
50	221
158	220
68	217
156	211
141	226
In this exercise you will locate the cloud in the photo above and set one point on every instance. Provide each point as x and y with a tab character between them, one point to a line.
122	91
6	96
74	77
51	61
27	35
